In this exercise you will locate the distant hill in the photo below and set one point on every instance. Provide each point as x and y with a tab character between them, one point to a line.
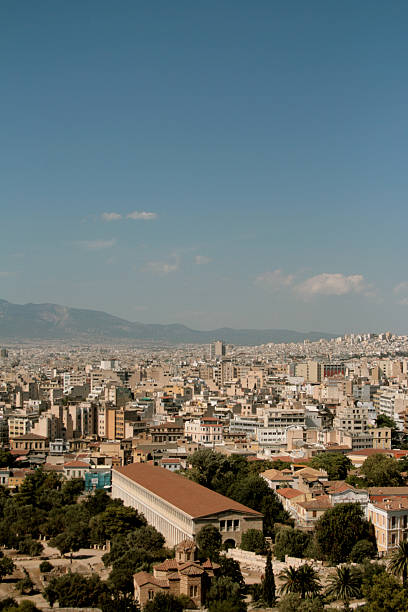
51	321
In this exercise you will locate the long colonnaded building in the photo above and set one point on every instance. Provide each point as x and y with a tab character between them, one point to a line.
179	507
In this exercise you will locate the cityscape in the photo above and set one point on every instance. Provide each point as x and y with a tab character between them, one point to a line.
222	451
203	306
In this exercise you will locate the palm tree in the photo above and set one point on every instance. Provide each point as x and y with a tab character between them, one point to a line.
309	582
289	578
345	584
399	562
303	580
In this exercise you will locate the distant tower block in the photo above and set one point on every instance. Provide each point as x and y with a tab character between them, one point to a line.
4	353
217	349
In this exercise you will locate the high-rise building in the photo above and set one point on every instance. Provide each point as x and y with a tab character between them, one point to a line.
217	349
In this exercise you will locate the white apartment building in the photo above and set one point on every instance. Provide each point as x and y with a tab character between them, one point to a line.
208	432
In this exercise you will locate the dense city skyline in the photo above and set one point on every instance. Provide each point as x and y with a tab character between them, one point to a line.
219	165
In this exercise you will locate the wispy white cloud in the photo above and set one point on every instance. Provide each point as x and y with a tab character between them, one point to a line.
161	267
142	215
333	284
111	216
95	245
401	288
275	280
202	260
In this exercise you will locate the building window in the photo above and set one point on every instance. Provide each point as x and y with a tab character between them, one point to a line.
236	524
151	594
222	525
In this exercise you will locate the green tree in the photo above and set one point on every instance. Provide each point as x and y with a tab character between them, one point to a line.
146	537
252	491
399	562
227	606
224	589
164	602
303	580
75	591
291	542
384	593
363	549
254	540
345	584
338	530
45	567
336	465
268	583
381	471
28	546
293	603
25	586
231	569
209	542
7	566
6	458
115	520
24	606
383	420
67	542
71	490
8	602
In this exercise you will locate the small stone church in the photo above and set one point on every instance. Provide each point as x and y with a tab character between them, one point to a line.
183	575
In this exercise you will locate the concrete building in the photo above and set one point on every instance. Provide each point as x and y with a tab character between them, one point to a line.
390	520
217	350
207	431
179	507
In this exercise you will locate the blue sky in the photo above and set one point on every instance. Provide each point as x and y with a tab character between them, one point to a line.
211	163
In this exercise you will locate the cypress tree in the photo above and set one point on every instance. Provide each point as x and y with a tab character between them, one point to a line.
268	583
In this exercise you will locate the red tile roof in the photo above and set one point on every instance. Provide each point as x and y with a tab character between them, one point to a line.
76	464
190	497
289	493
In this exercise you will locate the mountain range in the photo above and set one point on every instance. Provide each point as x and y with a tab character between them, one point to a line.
52	321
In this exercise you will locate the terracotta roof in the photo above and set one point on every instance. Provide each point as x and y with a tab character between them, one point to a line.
340	487
308	472
320	503
190	497
388	491
289	493
210	565
50	467
275	475
76	464
284	458
191	570
397	503
142	578
167	565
